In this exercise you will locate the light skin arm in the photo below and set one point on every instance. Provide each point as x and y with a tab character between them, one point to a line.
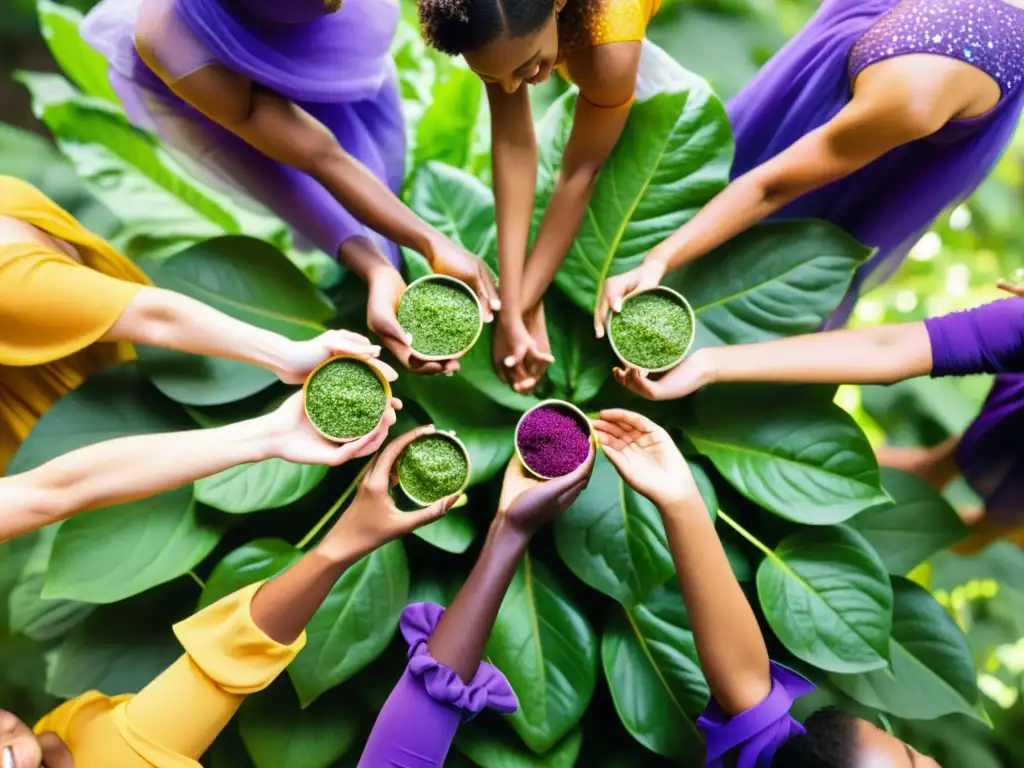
730	646
130	468
895	102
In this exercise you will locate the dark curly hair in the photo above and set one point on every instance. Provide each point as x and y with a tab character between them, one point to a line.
457	26
830	742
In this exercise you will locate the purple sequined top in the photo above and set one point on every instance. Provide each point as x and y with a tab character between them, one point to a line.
986	33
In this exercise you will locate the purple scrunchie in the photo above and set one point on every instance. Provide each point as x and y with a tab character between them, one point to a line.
986	339
488	688
417	725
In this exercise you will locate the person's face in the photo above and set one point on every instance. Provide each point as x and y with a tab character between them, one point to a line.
20	748
512	61
878	749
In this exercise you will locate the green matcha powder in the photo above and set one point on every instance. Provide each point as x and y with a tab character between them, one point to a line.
652	330
442	318
345	399
431	468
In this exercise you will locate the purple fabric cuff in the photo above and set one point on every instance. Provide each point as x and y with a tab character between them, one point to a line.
752	737
487	689
986	339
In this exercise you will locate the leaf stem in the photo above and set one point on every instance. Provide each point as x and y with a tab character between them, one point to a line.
197	580
746	534
334	508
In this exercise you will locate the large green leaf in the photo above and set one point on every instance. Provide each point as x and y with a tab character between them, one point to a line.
452	533
30	613
582	363
543	644
445	132
778	279
277	733
59	25
805	461
250	280
932	667
673	156
827	597
650	663
259	559
919	525
495	748
263	485
613	539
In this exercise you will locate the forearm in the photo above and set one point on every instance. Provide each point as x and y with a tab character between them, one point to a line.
460	637
285	605
514	166
172	320
730	646
557	232
129	468
878	355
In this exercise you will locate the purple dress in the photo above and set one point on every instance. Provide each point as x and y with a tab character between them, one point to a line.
750	739
989	339
418	722
335	66
892	202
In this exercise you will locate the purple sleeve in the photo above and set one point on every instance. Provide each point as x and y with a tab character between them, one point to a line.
750	739
986	339
419	720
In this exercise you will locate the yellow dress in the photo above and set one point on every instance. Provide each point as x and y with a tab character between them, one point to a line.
175	719
53	310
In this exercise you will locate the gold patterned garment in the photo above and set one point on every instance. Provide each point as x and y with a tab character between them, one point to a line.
588	23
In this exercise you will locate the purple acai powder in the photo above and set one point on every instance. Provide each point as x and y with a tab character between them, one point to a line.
552	442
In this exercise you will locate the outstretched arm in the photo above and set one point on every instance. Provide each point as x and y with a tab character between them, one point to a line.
129	468
731	648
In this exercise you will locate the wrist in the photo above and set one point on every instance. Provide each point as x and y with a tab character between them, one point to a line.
681	505
508	532
249	441
428	241
707	363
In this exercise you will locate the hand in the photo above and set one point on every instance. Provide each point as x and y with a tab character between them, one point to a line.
518	357
645	457
617	289
447	258
372	519
386	288
302	357
294	439
694	372
528	503
20	748
1016	287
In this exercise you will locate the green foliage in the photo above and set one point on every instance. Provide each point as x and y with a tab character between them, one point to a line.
779	467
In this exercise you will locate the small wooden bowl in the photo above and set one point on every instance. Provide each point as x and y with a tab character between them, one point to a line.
380	377
553	404
450	436
679	299
479	308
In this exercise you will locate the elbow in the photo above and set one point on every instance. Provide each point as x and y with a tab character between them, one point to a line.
153	317
583	178
31	506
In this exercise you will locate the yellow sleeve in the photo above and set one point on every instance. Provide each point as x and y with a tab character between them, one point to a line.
226	657
51	306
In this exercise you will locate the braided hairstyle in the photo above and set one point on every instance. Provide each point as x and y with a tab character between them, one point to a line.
830	742
457	26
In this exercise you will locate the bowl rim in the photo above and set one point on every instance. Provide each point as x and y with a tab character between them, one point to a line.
556	403
681	300
479	308
376	371
451	437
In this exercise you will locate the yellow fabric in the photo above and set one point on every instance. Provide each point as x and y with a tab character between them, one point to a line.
588	23
174	719
53	311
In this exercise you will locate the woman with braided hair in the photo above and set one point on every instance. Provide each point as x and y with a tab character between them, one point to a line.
512	44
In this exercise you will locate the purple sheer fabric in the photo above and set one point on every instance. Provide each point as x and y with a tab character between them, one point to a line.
991	451
416	727
893	201
750	739
336	66
986	339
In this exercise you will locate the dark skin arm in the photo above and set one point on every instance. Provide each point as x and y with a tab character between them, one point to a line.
526	504
730	646
895	102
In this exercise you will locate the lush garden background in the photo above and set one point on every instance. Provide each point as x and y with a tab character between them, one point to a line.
844	561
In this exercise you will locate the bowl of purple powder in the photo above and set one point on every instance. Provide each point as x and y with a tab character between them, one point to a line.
553	439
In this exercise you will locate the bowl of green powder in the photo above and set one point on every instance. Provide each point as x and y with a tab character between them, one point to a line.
433	467
443	316
653	331
346	398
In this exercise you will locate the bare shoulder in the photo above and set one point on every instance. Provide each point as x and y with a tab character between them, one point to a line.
606	74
